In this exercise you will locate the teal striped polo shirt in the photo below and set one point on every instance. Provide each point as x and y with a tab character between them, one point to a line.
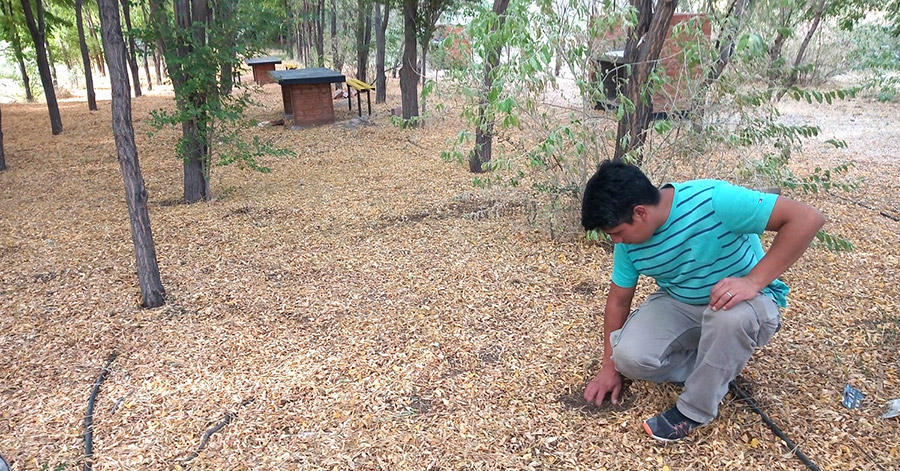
712	232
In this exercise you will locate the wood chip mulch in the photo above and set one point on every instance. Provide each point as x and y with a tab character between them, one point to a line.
365	307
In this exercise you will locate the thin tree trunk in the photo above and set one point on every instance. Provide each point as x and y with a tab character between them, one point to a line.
337	58
381	23
289	14
99	61
2	152
726	41
132	49
774	71
409	76
7	9
85	58
320	33
225	21
50	58
147	70
157	64
642	50
795	73
363	37
37	35
152	292
484	129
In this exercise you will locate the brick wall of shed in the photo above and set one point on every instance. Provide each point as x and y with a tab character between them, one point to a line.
312	104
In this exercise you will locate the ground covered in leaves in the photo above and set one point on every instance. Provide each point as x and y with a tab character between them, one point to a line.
365	307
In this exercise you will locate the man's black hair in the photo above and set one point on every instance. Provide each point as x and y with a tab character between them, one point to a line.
612	193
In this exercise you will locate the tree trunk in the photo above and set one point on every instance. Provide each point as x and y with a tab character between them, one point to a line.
484	130
409	76
157	64
2	153
774	71
37	35
289	14
320	33
132	49
225	20
381	23
152	292
725	43
7	8
196	130
98	58
147	69
363	37
337	58
795	74
642	50
85	58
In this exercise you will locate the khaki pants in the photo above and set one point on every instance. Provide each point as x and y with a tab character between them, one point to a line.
665	340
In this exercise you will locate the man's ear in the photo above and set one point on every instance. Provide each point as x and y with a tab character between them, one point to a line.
640	212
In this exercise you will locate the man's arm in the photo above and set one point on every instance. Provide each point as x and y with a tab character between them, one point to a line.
796	225
608	380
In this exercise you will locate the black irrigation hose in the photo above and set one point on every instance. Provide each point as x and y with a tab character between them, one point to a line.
89	416
204	440
775	429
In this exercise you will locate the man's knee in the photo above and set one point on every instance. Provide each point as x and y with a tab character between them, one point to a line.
632	360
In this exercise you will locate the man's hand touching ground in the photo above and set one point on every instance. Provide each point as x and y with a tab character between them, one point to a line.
607	381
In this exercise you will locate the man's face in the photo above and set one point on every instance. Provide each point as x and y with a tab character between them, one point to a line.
635	232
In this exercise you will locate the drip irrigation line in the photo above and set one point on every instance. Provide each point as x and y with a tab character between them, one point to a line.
775	429
204	440
89	416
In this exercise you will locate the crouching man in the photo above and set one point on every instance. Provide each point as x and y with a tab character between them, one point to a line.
719	294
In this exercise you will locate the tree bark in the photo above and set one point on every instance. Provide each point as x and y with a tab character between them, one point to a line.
409	76
725	43
38	36
381	23
2	152
152	292
795	74
85	58
132	49
16	42
225	21
321	38
645	42
363	37
484	129
785	13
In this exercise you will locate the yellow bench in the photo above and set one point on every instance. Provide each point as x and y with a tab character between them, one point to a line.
360	87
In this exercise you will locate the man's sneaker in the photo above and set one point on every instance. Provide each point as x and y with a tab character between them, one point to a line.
670	426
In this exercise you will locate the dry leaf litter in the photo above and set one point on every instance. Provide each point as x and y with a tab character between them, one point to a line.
365	307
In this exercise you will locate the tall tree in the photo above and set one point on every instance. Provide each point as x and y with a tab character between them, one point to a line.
2	152
11	33
337	56
38	35
409	73
645	42
225	20
85	58
195	86
818	9
320	33
429	13
484	129
363	37
132	49
381	24
152	292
